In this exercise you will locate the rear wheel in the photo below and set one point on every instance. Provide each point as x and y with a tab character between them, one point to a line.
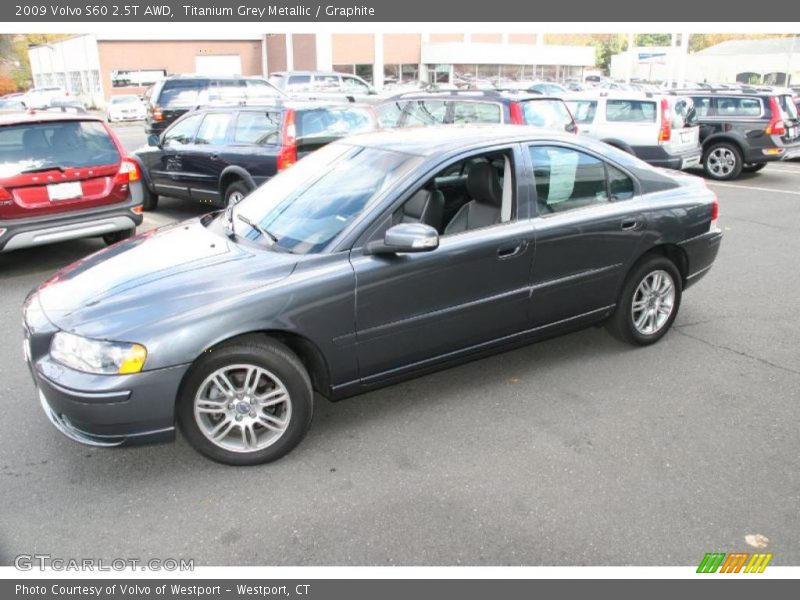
753	167
648	303
118	236
246	403
722	161
236	192
149	199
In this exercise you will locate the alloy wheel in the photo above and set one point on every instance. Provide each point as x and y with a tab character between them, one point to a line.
653	302
722	161
242	408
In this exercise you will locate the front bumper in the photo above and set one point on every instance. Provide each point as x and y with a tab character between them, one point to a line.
701	252
99	410
36	231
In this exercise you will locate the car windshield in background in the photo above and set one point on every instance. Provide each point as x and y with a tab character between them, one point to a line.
332	123
309	204
583	111
631	111
548	114
59	144
181	93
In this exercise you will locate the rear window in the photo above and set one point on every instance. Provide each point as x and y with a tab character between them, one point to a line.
548	114
630	111
476	112
181	93
425	112
260	128
299	83
583	111
738	107
325	123
38	146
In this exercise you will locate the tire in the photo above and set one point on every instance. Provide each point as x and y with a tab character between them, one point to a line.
753	167
623	323
149	199
235	192
722	161
248	432
118	236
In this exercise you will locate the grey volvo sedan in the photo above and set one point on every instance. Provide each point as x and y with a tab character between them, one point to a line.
377	258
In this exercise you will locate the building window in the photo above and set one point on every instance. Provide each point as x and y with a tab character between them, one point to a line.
400	74
438	73
136	78
361	70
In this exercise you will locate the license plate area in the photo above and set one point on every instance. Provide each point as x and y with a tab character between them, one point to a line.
68	190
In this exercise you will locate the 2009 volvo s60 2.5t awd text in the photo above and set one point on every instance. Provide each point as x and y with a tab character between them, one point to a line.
376	258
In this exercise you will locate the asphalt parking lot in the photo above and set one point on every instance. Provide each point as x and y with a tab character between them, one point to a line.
575	451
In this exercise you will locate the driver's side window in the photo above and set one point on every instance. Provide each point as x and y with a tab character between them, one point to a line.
469	194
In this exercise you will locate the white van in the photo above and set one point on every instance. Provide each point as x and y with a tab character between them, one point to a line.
660	129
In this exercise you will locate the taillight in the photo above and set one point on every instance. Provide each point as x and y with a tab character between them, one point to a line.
665	133
714	212
157	114
776	125
4	194
288	154
515	111
128	171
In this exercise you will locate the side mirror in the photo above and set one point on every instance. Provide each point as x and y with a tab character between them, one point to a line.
406	237
153	140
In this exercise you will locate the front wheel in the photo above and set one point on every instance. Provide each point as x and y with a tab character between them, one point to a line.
648	303
246	403
235	193
753	167
722	161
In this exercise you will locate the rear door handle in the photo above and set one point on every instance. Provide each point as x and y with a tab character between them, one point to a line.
511	251
214	157
630	225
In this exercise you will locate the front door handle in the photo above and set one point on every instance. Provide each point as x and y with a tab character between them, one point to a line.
214	157
630	225
511	250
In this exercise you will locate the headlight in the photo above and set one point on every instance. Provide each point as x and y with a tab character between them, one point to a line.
95	356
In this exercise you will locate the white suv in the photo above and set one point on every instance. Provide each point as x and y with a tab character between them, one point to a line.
40	97
660	129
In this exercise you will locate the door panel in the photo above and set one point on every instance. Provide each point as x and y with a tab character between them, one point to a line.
415	307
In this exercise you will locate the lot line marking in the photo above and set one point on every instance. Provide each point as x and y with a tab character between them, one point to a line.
753	187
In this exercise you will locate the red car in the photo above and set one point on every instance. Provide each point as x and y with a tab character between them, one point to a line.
62	177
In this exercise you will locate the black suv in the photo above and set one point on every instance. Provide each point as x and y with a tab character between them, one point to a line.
417	109
218	155
177	94
743	130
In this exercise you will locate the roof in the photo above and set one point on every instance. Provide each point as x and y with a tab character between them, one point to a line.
43	116
765	46
427	141
485	95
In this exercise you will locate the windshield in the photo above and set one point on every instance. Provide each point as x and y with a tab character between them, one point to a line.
309	204
125	100
549	114
35	146
181	93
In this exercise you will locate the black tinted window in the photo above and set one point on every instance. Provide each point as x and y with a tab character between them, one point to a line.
567	179
620	186
182	132
738	107
181	93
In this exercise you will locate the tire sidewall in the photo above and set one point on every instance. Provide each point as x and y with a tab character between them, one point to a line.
272	356
625	310
236	186
737	169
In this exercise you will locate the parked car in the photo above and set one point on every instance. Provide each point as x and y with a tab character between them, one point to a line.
11	105
658	129
40	97
219	155
743	131
63	177
324	85
548	88
66	102
345	273
126	107
176	95
461	108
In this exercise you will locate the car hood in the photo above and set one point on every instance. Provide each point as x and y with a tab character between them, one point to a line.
178	272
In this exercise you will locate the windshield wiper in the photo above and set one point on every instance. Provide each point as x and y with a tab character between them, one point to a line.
43	169
257	227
